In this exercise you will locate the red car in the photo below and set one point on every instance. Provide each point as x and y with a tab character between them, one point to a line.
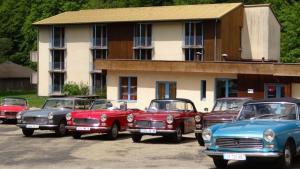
224	111
10	106
168	118
102	117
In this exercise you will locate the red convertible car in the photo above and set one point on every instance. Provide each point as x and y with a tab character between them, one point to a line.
10	106
169	118
102	117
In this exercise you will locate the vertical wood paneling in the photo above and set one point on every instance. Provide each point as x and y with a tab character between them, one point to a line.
209	40
120	41
231	25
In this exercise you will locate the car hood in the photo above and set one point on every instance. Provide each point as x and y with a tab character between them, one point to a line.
222	116
12	108
249	128
94	113
40	112
155	116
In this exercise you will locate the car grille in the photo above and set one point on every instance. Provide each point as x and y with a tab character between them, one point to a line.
11	113
208	123
85	121
35	120
242	143
149	124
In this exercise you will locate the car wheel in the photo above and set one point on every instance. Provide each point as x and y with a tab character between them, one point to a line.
61	130
200	139
286	160
1	121
220	162
178	135
114	132
76	135
28	132
136	138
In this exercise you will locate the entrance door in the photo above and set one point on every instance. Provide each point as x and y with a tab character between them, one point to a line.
165	90
226	88
274	91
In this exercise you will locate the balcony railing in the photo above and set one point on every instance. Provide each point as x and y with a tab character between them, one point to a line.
56	89
57	66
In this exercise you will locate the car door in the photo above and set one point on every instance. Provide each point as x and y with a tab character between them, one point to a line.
190	121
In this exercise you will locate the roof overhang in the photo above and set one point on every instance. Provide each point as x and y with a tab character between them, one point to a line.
259	68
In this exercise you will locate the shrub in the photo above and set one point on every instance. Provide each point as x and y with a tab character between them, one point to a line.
73	89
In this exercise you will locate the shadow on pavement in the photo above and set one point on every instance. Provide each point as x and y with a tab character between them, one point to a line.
103	137
162	140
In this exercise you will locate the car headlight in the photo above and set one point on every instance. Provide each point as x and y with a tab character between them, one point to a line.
130	118
197	118
19	115
170	119
68	116
50	116
269	135
103	117
206	134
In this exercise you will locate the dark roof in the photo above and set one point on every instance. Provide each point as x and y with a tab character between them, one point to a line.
11	70
284	99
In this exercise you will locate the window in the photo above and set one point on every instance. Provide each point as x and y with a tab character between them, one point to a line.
58	60
226	88
143	41
165	90
99	49
274	91
99	83
193	45
58	37
128	88
58	80
203	89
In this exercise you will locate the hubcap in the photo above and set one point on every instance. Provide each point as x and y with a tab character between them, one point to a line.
178	133
287	156
62	128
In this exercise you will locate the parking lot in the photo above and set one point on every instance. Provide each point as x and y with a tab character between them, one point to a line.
44	150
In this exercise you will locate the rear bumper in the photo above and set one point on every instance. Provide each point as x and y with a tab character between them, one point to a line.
158	132
91	129
212	153
41	127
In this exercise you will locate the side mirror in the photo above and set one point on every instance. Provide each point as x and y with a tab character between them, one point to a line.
206	109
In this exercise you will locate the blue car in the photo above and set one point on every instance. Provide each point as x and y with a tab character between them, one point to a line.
263	129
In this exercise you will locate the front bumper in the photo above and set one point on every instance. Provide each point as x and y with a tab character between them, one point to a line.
8	117
158	132
198	131
41	127
92	129
212	153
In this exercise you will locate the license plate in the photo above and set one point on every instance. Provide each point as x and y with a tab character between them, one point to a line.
234	156
32	126
150	131
83	128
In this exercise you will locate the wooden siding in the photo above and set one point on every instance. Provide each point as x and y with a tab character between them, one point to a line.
9	84
209	28
120	41
231	25
257	82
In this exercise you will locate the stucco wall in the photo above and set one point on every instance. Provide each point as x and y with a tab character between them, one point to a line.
188	86
44	59
78	53
296	90
167	39
260	34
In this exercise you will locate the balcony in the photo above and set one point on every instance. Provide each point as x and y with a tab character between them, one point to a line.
227	67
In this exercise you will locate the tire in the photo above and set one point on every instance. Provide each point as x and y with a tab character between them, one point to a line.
114	132
27	132
200	139
286	160
136	138
61	130
177	137
220	163
76	135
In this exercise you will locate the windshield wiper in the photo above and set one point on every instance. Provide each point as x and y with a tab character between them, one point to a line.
264	115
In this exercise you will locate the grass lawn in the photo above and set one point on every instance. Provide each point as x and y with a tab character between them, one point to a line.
31	96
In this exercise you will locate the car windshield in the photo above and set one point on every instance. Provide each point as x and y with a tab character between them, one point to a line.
252	111
59	103
167	106
101	104
13	101
229	104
